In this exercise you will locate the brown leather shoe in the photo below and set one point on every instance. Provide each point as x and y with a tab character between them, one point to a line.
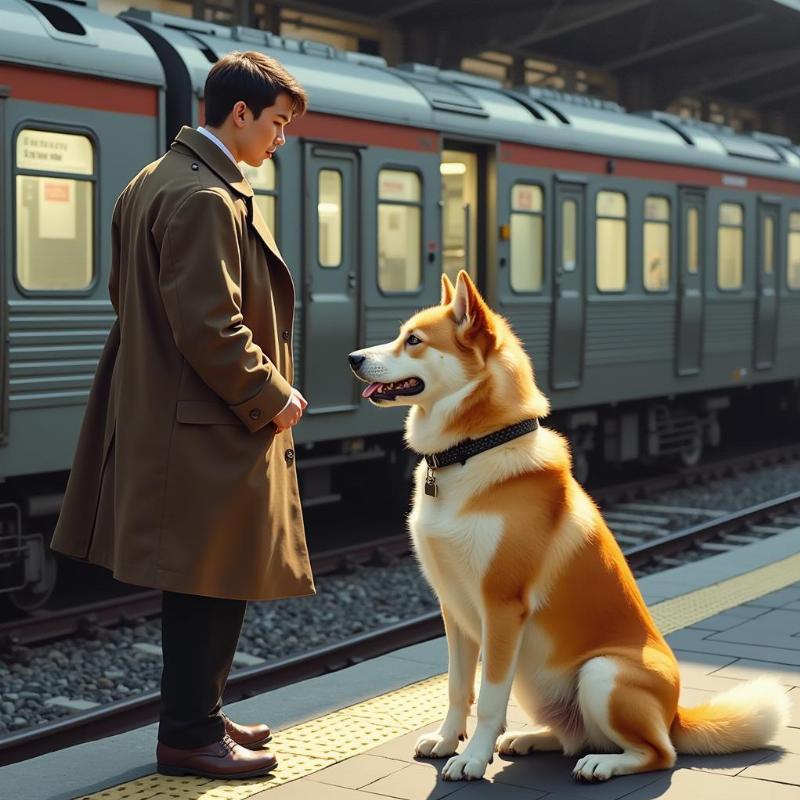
250	736
224	759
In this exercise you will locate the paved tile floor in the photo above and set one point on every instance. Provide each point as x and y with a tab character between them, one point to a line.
759	637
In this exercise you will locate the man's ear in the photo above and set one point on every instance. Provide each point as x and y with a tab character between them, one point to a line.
469	308
447	290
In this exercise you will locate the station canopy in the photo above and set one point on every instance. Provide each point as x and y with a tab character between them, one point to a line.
741	51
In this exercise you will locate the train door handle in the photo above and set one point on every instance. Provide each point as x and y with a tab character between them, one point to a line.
351	280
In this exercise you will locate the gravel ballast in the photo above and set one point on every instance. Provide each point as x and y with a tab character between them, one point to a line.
42	683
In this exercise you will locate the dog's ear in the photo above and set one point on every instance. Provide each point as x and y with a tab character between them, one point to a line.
470	309
447	290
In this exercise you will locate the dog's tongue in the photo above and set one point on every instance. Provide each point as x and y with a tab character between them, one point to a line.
371	389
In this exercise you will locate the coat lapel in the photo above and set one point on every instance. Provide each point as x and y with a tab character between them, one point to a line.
262	229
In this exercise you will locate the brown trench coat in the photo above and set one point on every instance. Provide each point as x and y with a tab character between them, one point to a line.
180	481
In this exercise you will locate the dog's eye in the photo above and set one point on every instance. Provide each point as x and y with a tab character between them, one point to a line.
413	340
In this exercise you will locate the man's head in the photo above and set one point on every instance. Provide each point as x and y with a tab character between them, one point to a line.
249	98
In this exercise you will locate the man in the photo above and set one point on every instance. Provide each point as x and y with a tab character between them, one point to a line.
184	477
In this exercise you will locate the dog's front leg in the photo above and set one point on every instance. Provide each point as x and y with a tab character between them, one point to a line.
462	654
501	639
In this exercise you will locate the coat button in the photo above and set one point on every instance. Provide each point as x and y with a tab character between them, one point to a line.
195	167
289	455
255	413
285	336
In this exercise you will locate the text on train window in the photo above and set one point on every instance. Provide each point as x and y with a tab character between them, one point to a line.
263	181
730	246
793	261
612	241
527	238
399	230
656	253
55	215
329	217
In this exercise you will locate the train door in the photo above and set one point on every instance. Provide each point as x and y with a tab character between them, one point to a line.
566	360
463	187
766	320
689	337
331	295
5	269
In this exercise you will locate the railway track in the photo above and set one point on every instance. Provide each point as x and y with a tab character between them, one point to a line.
627	506
730	530
48	625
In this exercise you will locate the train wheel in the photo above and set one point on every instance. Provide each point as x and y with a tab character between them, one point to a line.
37	594
691	454
580	465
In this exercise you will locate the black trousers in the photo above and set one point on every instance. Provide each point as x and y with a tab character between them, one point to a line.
198	639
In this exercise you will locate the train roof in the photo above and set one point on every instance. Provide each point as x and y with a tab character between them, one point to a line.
364	86
76	37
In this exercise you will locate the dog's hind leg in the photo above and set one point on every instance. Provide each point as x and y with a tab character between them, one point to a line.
520	743
502	636
462	654
621	708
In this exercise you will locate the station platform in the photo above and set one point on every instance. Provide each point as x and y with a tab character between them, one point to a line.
350	735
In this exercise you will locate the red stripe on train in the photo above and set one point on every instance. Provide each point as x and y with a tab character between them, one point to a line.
346	130
644	170
83	91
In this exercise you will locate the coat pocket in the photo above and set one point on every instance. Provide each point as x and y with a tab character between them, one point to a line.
202	412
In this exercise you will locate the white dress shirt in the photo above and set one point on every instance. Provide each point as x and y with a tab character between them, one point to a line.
218	142
207	133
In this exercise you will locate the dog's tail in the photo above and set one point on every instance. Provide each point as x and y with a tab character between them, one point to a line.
743	718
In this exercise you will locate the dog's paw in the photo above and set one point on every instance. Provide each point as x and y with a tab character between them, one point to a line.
435	745
464	768
594	768
515	743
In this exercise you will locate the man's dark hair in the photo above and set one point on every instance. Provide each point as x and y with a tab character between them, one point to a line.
252	77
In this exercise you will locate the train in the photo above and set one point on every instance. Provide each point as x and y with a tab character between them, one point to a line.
650	264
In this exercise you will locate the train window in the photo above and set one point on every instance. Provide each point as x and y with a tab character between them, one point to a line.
569	235
693	240
263	181
459	172
399	230
793	262
656	256
768	243
329	217
612	236
527	238
730	246
55	214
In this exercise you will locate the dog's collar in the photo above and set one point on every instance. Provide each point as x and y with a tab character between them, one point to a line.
461	452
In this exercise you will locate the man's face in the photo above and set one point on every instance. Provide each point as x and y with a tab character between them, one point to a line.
260	138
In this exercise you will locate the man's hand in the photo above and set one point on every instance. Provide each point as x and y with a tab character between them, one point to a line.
290	415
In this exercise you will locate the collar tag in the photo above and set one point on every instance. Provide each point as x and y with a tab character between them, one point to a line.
431	487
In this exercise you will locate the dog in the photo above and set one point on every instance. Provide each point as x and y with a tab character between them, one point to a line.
526	571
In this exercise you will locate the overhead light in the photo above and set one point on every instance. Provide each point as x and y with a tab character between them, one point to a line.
452	168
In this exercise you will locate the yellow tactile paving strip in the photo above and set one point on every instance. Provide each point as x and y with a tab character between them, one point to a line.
322	742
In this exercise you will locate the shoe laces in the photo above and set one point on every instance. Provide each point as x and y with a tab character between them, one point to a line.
228	743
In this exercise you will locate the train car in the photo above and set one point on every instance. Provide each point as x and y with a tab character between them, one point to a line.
650	265
81	109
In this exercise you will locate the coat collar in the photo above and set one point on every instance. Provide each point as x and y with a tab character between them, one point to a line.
216	160
213	157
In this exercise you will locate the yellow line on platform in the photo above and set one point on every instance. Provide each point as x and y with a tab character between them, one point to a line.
327	740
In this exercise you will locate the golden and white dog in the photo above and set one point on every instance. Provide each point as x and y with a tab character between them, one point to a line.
528	573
